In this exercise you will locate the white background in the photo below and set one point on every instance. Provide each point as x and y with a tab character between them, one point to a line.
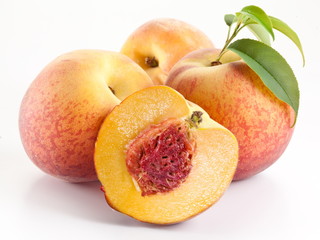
280	203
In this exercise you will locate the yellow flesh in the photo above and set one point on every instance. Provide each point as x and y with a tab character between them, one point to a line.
213	165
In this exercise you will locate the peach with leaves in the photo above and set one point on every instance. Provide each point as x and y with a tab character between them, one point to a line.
246	86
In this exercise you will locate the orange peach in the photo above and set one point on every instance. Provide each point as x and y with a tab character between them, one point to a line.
158	44
161	159
63	109
235	96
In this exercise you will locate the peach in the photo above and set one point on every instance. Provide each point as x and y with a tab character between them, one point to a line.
161	159
158	44
63	109
235	96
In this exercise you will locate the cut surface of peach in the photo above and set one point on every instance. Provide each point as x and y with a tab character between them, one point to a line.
161	159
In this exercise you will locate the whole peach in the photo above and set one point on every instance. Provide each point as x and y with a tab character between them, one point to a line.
234	95
63	109
159	43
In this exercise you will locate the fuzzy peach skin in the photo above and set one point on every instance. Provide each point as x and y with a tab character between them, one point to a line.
234	96
166	40
63	109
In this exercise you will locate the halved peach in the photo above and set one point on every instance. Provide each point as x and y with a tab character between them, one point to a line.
161	159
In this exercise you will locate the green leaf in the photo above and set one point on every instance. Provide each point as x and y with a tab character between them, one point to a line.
271	67
229	19
260	32
257	14
286	30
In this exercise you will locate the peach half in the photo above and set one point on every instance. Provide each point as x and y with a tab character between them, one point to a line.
161	159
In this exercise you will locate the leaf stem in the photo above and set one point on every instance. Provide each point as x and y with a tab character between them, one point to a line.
229	39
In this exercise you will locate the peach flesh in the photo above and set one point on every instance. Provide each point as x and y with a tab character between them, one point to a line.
213	163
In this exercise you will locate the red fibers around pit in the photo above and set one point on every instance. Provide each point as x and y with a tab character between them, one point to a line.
159	158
